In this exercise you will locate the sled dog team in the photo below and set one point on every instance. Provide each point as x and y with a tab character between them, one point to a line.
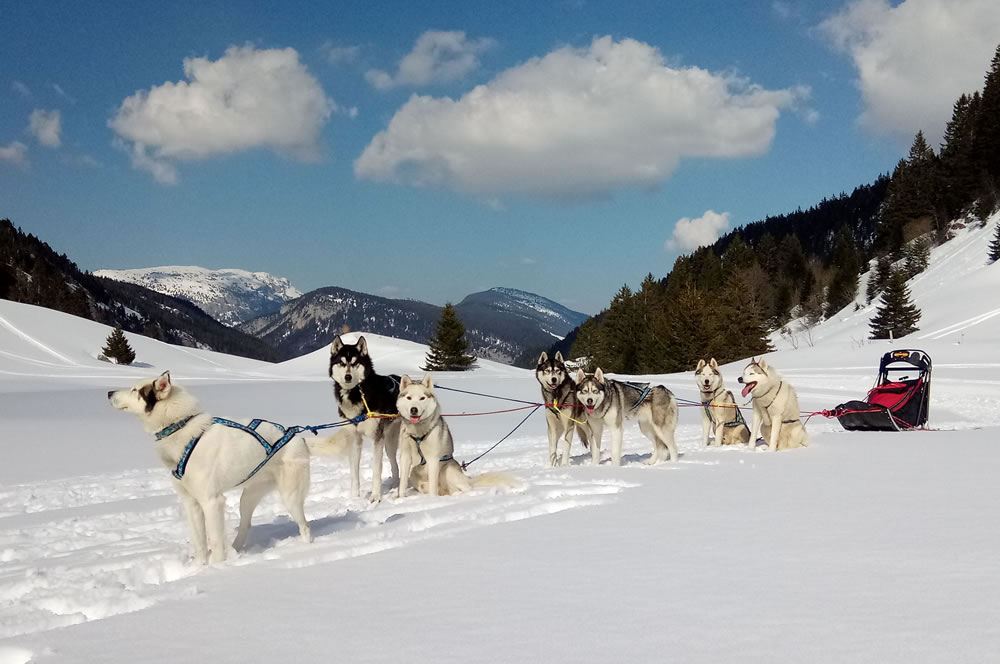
209	456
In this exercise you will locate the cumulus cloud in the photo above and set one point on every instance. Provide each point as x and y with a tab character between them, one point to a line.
46	127
246	99
576	122
15	153
689	234
914	59
437	57
337	54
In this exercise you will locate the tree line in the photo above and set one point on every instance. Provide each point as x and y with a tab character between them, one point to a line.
725	300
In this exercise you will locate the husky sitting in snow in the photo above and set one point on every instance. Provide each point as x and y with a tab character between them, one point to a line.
426	447
208	458
720	413
775	408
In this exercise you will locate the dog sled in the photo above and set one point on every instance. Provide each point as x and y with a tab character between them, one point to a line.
900	398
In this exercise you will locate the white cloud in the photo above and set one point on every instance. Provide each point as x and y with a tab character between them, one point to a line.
46	126
21	89
576	122
689	234
246	99
337	54
15	153
437	57
916	58
528	261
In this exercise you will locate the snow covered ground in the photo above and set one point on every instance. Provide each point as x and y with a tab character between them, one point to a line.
864	547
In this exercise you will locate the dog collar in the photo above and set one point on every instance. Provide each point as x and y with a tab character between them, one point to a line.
173	428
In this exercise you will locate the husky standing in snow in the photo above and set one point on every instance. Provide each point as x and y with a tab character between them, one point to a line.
357	389
426	448
208	458
564	415
720	414
775	408
609	402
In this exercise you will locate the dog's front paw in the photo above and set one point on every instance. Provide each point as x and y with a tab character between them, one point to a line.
375	498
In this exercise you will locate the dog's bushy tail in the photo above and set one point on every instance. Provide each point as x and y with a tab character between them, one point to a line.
339	444
503	480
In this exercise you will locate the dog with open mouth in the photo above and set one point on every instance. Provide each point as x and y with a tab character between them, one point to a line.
775	408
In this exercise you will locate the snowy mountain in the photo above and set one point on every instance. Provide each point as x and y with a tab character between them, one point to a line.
502	324
864	546
230	296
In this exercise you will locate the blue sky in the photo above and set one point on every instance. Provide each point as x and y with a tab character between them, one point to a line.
430	150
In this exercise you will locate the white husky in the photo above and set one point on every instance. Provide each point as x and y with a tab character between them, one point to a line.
775	408
426	447
208	458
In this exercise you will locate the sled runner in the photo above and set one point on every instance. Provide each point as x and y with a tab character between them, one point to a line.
900	398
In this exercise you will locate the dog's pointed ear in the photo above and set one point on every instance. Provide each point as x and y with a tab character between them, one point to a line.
713	363
362	346
337	344
427	382
701	365
599	375
162	385
762	364
580	376
405	382
543	358
559	357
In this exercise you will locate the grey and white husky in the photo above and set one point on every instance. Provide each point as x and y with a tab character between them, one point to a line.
720	413
608	402
426	448
775	408
563	413
357	389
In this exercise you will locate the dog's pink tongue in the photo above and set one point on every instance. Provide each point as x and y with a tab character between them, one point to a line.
590	411
748	387
414	419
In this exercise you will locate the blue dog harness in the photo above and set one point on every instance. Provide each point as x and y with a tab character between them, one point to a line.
270	449
644	389
420	439
739	421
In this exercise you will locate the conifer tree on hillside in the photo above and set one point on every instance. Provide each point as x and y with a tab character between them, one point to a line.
995	245
739	328
918	257
117	348
847	267
878	278
958	165
896	313
986	141
449	347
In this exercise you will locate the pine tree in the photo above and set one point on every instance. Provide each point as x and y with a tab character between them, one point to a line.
448	347
847	267
995	245
878	278
918	257
117	348
896	313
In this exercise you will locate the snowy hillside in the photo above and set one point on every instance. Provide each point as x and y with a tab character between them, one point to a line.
230	296
550	317
863	547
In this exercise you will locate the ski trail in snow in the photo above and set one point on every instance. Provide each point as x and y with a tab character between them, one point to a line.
961	325
35	342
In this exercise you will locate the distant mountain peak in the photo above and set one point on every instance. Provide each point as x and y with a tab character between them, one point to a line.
231	296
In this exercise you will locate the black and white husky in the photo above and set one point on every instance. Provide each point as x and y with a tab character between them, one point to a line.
720	413
563	414
359	390
610	402
208	458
